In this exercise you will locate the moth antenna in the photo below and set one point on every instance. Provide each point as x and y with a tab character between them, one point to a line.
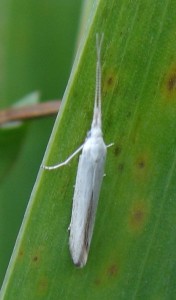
97	103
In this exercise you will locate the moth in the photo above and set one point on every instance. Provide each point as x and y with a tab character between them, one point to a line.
88	179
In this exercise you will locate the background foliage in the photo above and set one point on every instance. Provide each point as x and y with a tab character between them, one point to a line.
37	44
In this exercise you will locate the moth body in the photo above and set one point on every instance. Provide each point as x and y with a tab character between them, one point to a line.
88	179
86	195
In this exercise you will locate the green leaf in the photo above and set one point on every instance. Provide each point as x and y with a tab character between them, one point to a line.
34	37
132	254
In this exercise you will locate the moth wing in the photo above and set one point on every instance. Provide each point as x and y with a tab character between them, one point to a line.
85	201
81	202
97	181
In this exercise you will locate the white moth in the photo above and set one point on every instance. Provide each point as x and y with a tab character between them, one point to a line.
88	180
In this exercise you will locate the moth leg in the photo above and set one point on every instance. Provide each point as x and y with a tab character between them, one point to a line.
112	144
64	162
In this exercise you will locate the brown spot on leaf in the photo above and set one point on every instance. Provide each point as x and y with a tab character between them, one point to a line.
169	84
141	166
109	272
110	80
42	286
35	258
138	216
97	281
112	270
20	254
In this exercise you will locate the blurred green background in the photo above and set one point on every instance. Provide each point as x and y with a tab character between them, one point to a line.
37	46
